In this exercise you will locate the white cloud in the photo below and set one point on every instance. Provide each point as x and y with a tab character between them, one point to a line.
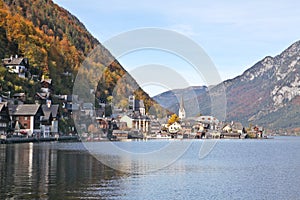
184	29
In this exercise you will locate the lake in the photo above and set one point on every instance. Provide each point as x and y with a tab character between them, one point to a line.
231	169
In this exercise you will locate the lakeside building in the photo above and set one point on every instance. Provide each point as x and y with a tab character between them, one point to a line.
49	120
4	118
136	118
137	122
26	119
208	122
174	128
155	126
16	65
29	119
136	105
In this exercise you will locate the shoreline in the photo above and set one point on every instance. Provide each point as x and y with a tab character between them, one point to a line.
14	140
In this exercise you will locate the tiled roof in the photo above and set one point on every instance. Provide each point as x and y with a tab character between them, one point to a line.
27	109
19	94
13	61
2	105
136	116
49	81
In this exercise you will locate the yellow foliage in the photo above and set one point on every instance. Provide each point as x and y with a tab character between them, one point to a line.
18	88
174	118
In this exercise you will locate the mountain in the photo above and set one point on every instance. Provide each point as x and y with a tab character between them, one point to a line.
56	43
171	99
267	94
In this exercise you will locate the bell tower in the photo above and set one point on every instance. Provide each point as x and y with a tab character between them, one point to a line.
181	112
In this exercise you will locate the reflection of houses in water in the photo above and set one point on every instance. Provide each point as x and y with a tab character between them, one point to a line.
39	169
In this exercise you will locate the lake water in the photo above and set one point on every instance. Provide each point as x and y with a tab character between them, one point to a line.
234	169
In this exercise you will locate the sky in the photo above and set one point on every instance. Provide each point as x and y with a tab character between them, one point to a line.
234	34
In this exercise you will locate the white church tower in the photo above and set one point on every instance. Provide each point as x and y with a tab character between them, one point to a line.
181	112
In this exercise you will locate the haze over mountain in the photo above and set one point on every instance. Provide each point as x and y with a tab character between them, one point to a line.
267	94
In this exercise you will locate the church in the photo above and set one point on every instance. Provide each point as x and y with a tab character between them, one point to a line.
181	112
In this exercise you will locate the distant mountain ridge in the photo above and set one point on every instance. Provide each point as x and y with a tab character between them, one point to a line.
170	98
266	94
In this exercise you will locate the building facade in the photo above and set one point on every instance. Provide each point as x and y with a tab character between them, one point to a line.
16	65
26	118
141	123
136	105
4	118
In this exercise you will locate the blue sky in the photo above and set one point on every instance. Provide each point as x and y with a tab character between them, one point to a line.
235	34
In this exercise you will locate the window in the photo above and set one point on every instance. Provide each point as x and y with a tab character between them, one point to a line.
25	118
25	125
3	124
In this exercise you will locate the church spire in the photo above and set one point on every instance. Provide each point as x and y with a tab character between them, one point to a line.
181	112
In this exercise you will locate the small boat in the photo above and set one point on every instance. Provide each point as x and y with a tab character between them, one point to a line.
268	137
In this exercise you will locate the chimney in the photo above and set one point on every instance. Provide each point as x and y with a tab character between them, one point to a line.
48	103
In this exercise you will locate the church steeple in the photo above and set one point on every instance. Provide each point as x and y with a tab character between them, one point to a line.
181	112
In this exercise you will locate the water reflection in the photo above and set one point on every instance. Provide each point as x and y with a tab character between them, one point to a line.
44	171
235	169
139	157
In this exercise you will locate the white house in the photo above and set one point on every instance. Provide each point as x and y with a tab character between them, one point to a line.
174	128
16	65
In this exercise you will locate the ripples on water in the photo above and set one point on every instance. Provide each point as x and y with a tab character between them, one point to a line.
235	169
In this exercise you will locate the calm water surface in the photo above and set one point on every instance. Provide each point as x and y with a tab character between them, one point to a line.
235	169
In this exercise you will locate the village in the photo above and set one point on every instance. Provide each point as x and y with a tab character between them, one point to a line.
45	120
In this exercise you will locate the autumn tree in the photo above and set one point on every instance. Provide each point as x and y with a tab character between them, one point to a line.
174	118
